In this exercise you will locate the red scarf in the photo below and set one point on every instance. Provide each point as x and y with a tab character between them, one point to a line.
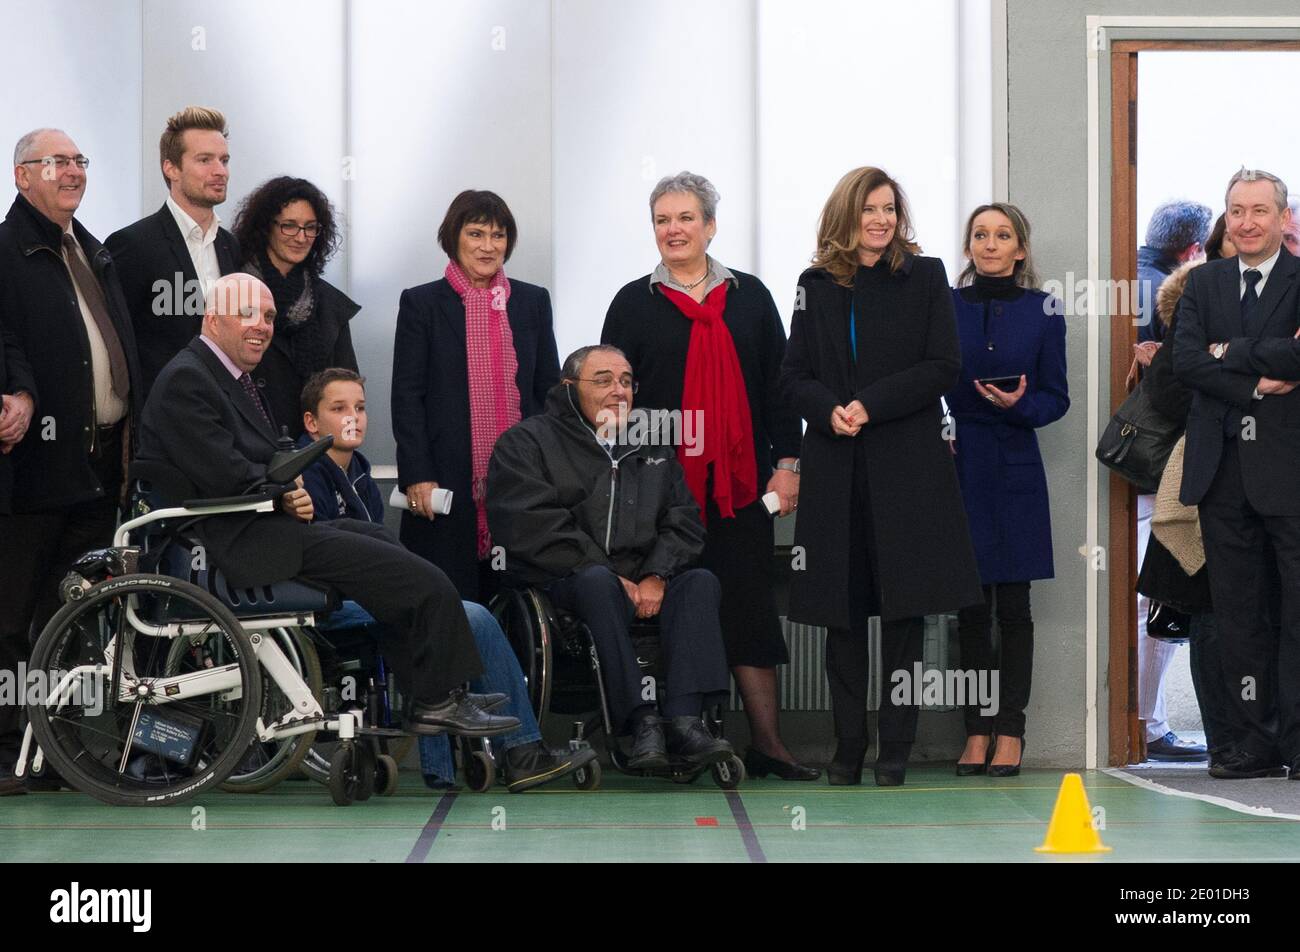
715	385
492	365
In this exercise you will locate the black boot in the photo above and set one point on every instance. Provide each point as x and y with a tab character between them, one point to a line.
689	740
529	765
891	764
845	769
648	749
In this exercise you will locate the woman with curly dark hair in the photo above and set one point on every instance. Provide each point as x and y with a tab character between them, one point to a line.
288	232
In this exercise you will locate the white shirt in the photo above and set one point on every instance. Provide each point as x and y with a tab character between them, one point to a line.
1264	268
108	408
201	245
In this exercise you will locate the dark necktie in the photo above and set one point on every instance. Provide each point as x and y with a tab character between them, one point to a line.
250	388
93	295
1250	302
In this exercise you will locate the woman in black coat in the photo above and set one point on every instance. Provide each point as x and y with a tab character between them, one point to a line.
881	527
662	323
287	228
472	326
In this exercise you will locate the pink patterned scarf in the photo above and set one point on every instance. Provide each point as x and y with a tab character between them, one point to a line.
493	392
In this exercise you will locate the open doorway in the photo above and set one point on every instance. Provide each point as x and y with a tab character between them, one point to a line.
1170	101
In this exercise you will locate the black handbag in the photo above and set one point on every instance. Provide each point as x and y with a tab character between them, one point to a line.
1166	623
1138	440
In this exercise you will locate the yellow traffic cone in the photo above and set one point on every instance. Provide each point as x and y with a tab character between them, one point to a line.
1071	829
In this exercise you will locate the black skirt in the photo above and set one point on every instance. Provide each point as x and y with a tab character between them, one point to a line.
739	552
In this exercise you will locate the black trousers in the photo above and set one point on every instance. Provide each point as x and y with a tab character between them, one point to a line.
1013	659
36	551
430	646
1208	680
1260	651
690	639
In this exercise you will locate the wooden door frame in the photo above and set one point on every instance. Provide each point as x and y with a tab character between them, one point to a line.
1126	732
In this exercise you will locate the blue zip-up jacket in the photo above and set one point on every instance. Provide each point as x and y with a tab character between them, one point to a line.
336	495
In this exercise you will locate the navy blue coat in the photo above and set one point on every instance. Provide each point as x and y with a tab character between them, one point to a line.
999	466
430	406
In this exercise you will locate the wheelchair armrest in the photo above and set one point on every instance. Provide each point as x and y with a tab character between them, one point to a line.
197	506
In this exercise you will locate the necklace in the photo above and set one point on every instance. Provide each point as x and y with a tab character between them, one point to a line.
694	284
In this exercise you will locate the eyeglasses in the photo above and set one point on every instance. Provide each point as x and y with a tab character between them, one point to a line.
59	161
290	229
606	382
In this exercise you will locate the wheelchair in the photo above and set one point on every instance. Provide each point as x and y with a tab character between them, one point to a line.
562	670
161	681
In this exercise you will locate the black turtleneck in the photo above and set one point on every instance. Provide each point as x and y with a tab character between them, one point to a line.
992	288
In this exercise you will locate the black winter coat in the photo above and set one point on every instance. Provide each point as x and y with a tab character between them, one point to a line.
43	322
559	501
908	356
15	377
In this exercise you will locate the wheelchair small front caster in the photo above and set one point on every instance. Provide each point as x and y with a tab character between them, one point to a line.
352	773
386	778
587	777
480	771
729	773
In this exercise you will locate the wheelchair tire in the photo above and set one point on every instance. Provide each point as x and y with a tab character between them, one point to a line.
480	772
729	774
386	776
266	764
587	777
352	773
99	747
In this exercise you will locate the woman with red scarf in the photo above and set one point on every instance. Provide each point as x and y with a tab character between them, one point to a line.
708	342
474	353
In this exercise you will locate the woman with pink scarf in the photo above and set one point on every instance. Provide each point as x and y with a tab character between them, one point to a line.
474	353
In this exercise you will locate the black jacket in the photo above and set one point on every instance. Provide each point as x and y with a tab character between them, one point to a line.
430	407
1209	312
909	357
280	382
656	336
559	501
150	250
200	422
43	324
15	377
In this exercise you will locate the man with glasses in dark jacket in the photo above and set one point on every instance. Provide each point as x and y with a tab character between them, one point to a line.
590	507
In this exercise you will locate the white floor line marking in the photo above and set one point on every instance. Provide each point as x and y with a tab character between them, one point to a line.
1203	797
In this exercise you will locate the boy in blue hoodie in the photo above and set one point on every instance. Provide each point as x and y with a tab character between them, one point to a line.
334	403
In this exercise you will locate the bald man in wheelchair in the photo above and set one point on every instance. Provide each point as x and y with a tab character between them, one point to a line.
592	509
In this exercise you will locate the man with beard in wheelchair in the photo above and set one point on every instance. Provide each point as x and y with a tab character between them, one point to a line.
604	523
206	422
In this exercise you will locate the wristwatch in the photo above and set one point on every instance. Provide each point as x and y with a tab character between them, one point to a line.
792	467
1218	350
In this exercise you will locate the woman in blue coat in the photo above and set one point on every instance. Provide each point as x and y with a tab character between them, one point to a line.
473	354
1008	329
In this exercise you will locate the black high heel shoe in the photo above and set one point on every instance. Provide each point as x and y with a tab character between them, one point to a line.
971	770
758	764
845	770
1008	770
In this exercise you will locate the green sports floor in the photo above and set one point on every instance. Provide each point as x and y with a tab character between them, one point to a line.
935	817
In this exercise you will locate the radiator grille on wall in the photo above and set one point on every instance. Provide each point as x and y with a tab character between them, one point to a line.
802	683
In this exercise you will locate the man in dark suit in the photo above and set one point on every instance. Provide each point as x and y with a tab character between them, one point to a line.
70	403
207	422
1235	347
169	259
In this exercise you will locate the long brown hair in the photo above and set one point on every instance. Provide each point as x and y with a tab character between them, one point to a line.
1024	273
840	227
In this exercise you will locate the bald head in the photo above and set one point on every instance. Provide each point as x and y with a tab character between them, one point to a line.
239	317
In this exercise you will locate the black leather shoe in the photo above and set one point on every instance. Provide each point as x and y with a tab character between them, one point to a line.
975	769
530	765
890	768
690	741
1170	748
1008	770
649	751
758	764
1246	767
10	786
489	702
845	768
459	715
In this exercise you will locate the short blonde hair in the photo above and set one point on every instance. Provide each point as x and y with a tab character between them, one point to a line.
171	147
840	225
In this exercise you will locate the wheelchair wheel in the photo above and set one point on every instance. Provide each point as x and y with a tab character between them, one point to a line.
159	738
386	778
267	763
587	777
729	774
527	628
480	772
352	773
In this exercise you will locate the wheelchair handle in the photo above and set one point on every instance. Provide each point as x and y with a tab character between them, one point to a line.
286	465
